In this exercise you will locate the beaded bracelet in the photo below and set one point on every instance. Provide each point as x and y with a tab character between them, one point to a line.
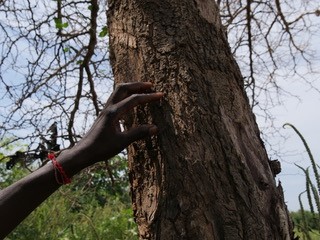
58	170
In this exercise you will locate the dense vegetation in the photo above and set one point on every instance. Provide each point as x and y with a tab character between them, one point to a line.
95	206
312	221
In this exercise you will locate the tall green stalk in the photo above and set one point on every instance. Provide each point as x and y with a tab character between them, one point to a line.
304	226
313	162
308	187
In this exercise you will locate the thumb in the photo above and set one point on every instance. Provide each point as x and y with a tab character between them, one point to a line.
140	132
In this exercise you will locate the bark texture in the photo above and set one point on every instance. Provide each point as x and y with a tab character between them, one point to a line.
207	174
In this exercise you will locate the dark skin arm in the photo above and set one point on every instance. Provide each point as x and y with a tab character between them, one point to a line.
103	141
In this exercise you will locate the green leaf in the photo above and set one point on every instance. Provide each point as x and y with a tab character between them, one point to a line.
103	32
60	24
57	21
65	25
66	49
90	7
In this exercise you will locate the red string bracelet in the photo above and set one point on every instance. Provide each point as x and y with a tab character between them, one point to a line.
58	170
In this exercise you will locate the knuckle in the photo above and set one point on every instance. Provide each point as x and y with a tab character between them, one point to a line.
136	98
120	92
112	111
121	87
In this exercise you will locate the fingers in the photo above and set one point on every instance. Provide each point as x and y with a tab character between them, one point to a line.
124	90
140	132
137	99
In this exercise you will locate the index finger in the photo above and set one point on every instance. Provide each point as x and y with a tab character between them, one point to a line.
137	99
125	90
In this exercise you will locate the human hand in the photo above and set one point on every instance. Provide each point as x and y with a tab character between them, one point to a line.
105	138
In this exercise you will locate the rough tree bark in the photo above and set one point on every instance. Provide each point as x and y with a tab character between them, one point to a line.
207	174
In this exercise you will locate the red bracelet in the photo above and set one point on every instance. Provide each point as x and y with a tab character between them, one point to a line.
58	170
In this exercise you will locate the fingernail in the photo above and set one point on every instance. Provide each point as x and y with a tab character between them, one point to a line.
153	130
159	94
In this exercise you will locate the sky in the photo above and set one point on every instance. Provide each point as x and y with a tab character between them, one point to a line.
304	114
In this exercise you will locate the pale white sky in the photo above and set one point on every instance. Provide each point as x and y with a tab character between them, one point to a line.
305	116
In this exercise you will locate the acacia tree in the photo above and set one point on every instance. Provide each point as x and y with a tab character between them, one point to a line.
207	175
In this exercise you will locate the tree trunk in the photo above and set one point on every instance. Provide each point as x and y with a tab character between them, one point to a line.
207	174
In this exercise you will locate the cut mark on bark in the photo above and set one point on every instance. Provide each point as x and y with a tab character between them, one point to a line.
124	38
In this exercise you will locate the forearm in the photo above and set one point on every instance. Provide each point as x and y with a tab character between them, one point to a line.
21	198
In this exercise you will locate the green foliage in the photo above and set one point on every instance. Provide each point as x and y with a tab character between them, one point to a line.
7	177
104	32
59	24
66	49
96	205
313	235
300	218
64	216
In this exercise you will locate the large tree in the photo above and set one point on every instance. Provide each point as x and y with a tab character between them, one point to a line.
207	174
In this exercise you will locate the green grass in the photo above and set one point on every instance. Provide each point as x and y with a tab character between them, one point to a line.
314	235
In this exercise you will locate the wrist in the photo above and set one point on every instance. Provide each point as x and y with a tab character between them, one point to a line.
73	161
